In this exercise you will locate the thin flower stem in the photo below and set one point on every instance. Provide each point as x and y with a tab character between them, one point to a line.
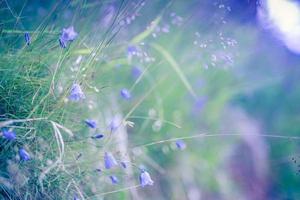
115	191
217	135
155	118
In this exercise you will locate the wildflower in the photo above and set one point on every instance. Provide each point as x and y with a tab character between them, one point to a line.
91	123
24	154
136	72
199	105
125	94
115	123
75	198
123	164
145	178
109	160
180	144
76	93
114	179
27	38
97	136
67	35
9	135
132	50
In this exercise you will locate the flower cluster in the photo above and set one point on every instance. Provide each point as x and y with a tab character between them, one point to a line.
10	135
76	94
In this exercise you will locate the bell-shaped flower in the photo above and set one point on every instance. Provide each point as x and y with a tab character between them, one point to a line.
125	93
24	154
76	93
91	123
9	135
114	179
109	160
67	35
145	178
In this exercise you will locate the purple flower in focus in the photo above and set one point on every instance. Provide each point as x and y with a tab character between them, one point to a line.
114	179
145	178
136	72
97	136
67	35
24	154
109	160
91	123
125	93
76	93
123	164
27	38
180	144
9	135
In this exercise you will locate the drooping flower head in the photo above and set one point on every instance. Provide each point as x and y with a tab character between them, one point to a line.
91	123
97	136
145	178
180	144
114	179
109	160
115	123
67	35
27	38
125	93
75	198
199	104
76	93
9	135
24	154
136	72
132	50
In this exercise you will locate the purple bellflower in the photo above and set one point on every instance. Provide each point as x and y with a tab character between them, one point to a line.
27	38
180	144
91	123
115	123
97	136
136	72
75	198
125	93
67	35
109	160
24	154
145	178
76	93
132	50
114	179
9	135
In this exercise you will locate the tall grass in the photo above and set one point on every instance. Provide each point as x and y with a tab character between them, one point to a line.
159	56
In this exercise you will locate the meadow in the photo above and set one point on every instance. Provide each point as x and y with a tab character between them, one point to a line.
140	99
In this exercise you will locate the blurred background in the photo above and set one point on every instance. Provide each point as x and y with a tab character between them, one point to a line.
213	112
